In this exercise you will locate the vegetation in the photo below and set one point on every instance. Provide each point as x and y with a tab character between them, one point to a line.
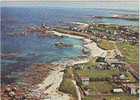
131	52
91	63
68	73
106	44
67	86
100	87
98	74
130	77
124	97
115	97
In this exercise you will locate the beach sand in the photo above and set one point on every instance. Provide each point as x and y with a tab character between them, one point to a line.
48	89
91	45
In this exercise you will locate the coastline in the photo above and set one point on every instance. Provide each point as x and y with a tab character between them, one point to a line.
55	76
89	44
46	84
48	89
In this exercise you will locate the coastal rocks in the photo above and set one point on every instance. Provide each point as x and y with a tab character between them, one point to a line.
37	73
63	45
13	92
48	88
8	55
86	50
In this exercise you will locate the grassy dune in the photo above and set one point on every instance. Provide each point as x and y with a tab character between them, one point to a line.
131	52
107	45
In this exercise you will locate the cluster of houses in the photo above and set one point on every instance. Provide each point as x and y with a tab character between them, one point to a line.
107	31
79	27
113	60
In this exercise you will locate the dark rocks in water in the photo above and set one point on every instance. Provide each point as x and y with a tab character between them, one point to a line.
8	55
85	50
14	92
62	45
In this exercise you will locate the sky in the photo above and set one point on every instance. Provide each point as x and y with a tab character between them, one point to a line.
110	4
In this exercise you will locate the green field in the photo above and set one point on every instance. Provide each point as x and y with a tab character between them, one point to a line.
98	74
131	52
106	44
115	97
67	85
100	87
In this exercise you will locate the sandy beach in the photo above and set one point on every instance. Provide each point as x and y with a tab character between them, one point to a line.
68	35
91	45
48	89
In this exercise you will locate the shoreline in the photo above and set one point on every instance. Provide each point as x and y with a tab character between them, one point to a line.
52	83
55	77
89	44
47	88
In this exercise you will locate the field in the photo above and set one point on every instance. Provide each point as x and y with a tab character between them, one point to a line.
107	45
131	52
115	97
67	85
98	74
100	87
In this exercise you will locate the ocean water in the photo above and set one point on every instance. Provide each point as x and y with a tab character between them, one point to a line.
34	49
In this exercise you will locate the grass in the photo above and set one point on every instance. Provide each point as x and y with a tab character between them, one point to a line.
115	97
122	98
131	52
67	86
106	44
100	87
91	63
130	77
68	73
98	74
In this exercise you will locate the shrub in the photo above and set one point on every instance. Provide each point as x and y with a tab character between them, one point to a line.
67	86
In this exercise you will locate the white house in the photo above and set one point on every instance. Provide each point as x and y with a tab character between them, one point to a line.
85	80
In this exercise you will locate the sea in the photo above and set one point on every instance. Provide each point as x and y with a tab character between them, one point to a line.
32	49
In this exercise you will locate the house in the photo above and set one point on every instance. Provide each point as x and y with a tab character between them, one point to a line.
115	63
85	80
117	90
132	89
120	78
102	66
83	27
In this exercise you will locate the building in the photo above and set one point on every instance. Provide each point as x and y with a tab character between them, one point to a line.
118	90
85	80
132	88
